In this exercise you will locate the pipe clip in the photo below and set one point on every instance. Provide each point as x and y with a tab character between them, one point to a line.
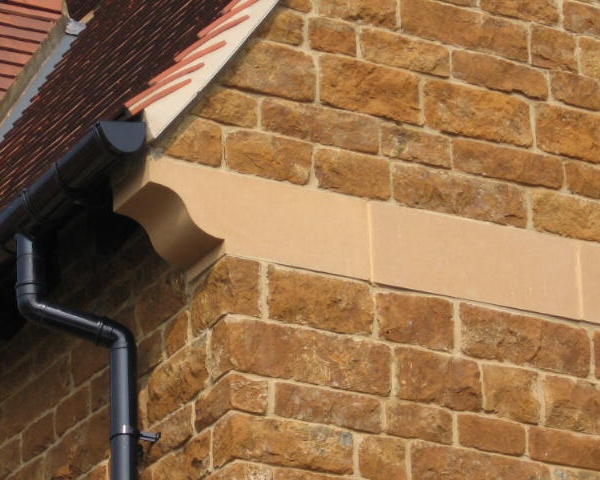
149	437
134	432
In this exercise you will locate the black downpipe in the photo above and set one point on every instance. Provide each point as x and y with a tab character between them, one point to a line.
124	433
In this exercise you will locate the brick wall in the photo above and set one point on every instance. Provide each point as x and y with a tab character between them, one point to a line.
485	109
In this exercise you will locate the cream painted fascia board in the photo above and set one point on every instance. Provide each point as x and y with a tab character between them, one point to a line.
188	210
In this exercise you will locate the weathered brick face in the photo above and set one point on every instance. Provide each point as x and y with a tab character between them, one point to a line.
482	109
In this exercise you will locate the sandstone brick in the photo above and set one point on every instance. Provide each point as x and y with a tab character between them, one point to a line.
98	473
412	420
511	393
285	26
447	192
415	145
583	179
589	57
228	106
364	87
10	457
16	375
161	301
269	156
564	448
244	471
431	462
353	173
580	18
196	140
289	474
553	48
81	449
175	431
32	471
568	132
541	11
524	340
326	302
321	125
576	90
72	409
332	36
430	377
177	380
572	405
176	333
191	462
498	74
304	355
85	363
150	352
380	46
283	443
477	113
374	12
382	458
597	353
300	5
572	474
464	28
231	286
491	435
273	69
27	403
37	437
566	215
233	392
418	320
318	405
100	386
505	163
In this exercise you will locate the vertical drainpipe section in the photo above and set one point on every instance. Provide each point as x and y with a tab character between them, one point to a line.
44	206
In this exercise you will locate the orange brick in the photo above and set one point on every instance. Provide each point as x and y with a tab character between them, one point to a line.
464	28
374	12
564	448
269	156
432	461
233	392
589	55
304	355
576	90
176	333
504	163
231	286
283	443
540	11
273	69
583	179
10	455
32	471
321	125
382	458
581	18
579	218
318	405
326	302
176	430
193	461
332	36
524	340
491	435
511	393
571	405
37	437
300	5
418	320
196	140
446	192
442	379
229	106
364	87
380	46
477	113
553	48
289	474
243	471
498	74
353	173
415	145
413	420
597	353
72	409
285	26
177	380
568	132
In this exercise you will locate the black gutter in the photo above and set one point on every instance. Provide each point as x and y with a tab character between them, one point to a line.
43	207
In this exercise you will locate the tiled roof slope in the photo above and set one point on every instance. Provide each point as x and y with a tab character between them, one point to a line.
24	26
124	45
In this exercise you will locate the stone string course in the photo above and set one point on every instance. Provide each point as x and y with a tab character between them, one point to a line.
486	109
